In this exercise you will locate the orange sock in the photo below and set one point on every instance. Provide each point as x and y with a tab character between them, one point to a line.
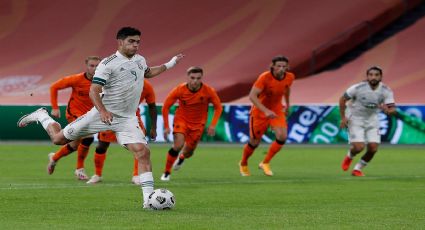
169	163
99	159
248	150
136	167
82	154
274	148
63	151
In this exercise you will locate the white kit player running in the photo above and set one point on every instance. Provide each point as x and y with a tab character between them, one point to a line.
115	92
364	99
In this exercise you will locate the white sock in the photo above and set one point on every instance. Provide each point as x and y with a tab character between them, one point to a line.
359	166
146	182
349	154
45	120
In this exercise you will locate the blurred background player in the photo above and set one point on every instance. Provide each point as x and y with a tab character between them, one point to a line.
267	110
361	117
106	137
79	104
190	117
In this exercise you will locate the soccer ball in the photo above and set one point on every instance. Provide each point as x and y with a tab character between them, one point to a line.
161	199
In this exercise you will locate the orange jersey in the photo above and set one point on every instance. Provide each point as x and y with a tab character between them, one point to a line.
79	103
272	90
147	94
193	106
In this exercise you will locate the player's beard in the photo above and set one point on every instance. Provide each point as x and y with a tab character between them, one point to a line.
374	82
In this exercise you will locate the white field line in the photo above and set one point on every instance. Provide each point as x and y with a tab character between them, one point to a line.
32	186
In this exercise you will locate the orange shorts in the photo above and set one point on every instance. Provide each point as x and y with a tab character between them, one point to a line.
192	133
258	124
109	136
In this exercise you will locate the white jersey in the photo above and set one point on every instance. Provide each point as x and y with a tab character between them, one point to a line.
122	81
365	101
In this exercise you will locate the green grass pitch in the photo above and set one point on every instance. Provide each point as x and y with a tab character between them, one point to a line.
308	191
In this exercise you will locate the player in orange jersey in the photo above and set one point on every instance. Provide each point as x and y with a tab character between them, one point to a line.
106	137
79	103
267	110
190	117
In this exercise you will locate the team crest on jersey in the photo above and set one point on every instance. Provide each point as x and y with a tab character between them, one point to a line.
140	65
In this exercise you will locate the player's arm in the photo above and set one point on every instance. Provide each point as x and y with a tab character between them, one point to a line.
169	101
342	106
287	103
95	91
388	107
153	114
218	109
62	83
156	70
253	97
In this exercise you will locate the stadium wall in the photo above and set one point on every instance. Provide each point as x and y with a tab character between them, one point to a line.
313	124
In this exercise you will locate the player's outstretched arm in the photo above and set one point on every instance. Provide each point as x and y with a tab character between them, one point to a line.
156	70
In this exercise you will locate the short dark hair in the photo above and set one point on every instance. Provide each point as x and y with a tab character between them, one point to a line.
377	68
124	32
195	69
280	58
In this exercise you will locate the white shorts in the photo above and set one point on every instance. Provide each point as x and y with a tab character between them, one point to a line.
127	129
363	131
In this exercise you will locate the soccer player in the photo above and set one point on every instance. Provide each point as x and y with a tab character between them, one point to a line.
191	115
121	77
267	110
361	117
79	103
106	137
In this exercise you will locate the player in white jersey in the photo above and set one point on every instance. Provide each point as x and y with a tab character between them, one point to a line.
115	92
365	100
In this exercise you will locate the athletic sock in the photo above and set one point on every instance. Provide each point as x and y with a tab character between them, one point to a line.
169	163
147	185
63	151
359	166
99	160
274	148
349	155
82	154
45	120
247	152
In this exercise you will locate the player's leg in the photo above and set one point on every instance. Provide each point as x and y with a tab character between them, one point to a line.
173	153
281	135
373	138
82	151
52	127
129	135
257	127
142	154
356	138
192	138
65	150
99	160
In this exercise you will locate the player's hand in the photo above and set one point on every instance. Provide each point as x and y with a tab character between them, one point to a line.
106	117
152	133
270	114
344	123
166	133
174	60
56	113
211	131
384	108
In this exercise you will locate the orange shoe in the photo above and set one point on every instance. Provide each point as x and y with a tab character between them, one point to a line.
266	169
357	173
244	170
346	163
